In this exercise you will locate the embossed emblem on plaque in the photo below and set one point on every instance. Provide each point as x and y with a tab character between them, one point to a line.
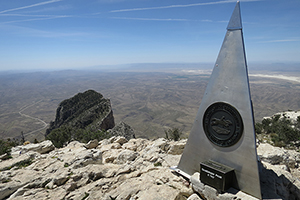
222	124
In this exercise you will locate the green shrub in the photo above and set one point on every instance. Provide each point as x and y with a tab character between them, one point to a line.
60	136
173	134
4	147
258	128
281	131
64	134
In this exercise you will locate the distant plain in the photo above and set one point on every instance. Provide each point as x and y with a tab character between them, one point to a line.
150	101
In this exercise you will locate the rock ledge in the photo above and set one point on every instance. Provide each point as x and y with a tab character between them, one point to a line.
118	168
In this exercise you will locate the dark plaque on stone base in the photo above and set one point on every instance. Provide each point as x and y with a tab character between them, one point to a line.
216	175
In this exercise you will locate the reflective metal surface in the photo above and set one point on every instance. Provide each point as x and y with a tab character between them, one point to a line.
228	84
235	22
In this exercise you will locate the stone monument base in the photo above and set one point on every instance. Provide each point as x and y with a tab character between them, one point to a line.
208	192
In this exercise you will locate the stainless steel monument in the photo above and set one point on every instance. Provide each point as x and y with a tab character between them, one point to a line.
223	131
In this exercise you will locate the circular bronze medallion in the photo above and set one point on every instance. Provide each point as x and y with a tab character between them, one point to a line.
222	124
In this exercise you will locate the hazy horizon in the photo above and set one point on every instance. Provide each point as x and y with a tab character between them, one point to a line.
162	67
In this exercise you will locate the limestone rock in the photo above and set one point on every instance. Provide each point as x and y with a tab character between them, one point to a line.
156	184
8	164
136	144
91	144
110	156
108	147
161	143
4	156
125	156
168	160
92	156
288	160
43	147
8	189
151	153
270	154
194	197
177	147
196	183
121	140
132	169
104	142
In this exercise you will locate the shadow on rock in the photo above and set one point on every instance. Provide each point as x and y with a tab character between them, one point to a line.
277	187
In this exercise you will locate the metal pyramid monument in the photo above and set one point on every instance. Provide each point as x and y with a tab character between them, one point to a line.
223	130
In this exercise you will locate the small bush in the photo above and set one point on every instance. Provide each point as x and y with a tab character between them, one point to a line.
173	134
281	131
60	136
65	134
258	128
5	146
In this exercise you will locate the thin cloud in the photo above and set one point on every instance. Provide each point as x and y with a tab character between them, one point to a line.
148	19
289	78
166	19
35	19
283	40
51	9
30	6
178	6
26	15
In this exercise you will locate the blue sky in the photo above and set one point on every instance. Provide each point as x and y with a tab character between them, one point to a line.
61	34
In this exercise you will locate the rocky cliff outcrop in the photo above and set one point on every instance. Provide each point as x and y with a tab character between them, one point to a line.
122	129
117	168
84	117
87	109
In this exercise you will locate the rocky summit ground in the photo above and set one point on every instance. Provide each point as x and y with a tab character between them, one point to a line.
119	169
